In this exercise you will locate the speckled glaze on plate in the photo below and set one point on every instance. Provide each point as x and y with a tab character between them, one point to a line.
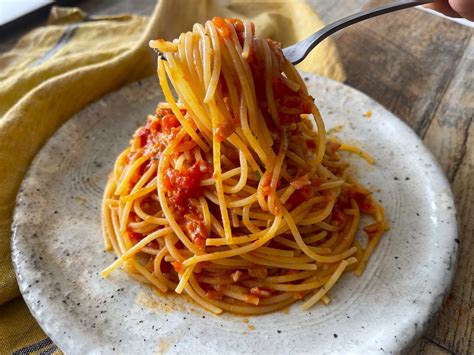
58	252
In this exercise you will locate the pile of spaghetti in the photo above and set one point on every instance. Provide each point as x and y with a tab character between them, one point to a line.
232	193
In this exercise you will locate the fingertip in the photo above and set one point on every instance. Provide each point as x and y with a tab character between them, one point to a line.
443	7
465	8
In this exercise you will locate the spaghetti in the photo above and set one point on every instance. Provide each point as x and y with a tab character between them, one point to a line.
232	193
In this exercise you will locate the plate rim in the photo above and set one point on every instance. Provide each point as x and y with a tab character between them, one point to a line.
416	334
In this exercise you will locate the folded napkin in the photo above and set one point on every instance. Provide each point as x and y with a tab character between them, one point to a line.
56	70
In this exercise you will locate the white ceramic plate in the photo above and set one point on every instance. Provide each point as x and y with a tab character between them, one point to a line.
58	251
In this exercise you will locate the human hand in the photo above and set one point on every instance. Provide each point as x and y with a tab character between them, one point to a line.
454	8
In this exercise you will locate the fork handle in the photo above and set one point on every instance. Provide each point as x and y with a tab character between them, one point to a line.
310	42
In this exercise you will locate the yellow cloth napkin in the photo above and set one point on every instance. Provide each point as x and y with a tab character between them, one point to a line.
56	70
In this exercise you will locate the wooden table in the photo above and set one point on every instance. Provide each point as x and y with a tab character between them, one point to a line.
421	67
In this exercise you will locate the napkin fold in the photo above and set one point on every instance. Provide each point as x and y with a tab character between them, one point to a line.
56	70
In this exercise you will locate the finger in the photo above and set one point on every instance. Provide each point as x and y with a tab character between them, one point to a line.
443	7
465	8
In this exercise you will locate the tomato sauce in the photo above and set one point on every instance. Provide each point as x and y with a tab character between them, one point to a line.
168	122
338	217
372	230
364	201
362	198
214	294
311	144
221	26
135	237
183	186
300	196
196	229
156	135
290	104
177	266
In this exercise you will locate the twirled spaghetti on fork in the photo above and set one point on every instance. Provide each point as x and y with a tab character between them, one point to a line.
232	193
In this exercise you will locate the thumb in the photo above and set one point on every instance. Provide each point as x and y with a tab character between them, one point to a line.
444	7
465	8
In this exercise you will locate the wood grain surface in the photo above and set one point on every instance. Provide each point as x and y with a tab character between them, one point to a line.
421	67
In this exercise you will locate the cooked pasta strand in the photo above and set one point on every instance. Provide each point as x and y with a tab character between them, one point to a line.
231	193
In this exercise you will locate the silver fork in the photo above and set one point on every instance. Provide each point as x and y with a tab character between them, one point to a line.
298	51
